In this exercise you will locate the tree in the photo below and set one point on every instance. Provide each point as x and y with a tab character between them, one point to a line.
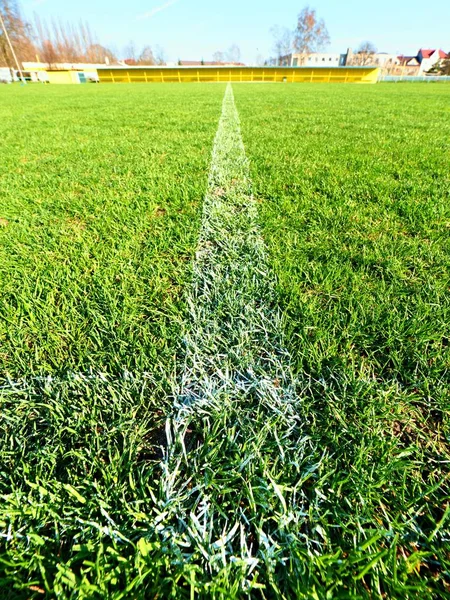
69	41
219	57
233	54
160	56
146	57
130	54
365	55
60	42
99	54
259	60
283	40
444	66
19	32
49	54
311	34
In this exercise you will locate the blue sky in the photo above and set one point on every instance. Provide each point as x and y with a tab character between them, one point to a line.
195	29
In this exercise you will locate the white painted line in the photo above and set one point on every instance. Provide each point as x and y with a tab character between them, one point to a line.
48	381
234	354
234	342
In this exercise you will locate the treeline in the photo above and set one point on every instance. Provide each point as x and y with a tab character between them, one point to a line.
20	33
147	56
58	42
51	43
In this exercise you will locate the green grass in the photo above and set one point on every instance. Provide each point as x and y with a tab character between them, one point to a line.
101	195
345	494
354	192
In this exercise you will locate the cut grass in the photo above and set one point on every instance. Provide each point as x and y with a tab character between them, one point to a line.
101	196
344	495
354	191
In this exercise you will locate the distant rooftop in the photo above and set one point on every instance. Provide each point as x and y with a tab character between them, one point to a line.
427	53
205	63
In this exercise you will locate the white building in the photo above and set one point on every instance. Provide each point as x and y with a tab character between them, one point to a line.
385	60
389	63
429	58
37	70
315	59
5	75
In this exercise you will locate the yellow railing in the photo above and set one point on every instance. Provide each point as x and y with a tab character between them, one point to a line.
235	74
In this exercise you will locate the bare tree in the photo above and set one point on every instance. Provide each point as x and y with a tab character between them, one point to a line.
41	35
160	56
55	41
50	43
96	53
233	54
49	55
87	38
19	32
259	60
283	40
365	55
311	34
59	42
68	41
146	57
130	53
219	57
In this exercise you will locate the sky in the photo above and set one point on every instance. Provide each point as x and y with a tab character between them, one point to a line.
195	29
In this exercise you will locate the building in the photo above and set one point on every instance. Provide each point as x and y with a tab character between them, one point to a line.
222	73
429	58
5	75
383	60
407	65
419	64
330	59
318	59
205	63
62	72
310	59
390	64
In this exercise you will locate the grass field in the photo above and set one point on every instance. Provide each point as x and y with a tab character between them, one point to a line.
346	492
100	214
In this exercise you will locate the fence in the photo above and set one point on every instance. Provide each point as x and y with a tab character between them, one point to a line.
238	74
413	78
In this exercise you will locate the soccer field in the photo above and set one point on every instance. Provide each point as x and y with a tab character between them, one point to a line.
224	346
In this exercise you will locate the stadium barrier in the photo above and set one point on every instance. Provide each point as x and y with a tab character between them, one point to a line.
238	74
415	78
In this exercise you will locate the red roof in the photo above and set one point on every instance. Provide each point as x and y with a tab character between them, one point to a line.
429	53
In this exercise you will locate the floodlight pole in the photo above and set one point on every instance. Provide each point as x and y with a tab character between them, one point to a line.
2	22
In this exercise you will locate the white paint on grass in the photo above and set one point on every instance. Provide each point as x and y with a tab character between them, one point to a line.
37	382
235	360
233	343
